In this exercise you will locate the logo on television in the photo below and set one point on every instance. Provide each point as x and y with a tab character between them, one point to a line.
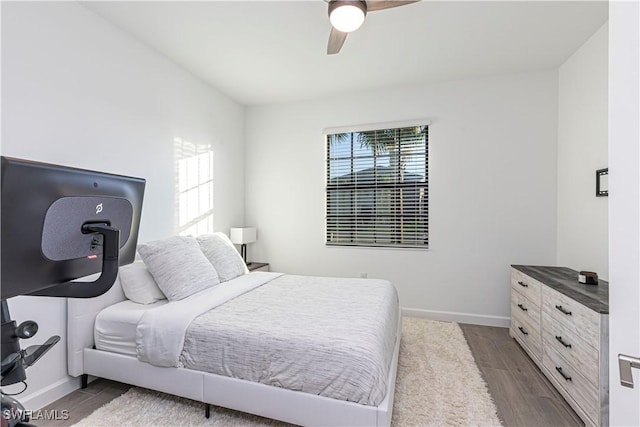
98	208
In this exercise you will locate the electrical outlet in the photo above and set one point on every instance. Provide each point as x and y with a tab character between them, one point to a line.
363	275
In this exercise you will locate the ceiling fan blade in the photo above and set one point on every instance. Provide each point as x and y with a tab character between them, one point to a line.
336	40
373	5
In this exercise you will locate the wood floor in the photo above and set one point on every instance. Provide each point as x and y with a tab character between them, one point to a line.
523	396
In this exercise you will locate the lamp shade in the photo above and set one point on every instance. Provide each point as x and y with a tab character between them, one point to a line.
243	235
347	15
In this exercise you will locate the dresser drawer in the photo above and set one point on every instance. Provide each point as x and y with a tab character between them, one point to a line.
526	285
572	348
572	315
575	384
523	306
527	334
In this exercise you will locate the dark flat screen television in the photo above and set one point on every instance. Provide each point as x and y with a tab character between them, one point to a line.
46	212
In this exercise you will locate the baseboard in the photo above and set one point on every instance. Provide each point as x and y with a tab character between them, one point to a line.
451	316
50	394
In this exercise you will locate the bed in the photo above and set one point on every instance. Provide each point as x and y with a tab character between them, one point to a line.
304	350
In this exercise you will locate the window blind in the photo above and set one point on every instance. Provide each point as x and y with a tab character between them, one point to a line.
377	191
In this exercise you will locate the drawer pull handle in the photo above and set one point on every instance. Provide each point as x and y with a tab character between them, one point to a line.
565	376
563	311
522	330
524	285
561	341
522	307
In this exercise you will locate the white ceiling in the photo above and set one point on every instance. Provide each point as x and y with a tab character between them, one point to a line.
265	52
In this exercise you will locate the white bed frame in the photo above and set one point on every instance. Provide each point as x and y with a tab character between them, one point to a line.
246	396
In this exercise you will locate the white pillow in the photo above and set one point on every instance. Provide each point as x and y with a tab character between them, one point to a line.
138	284
223	255
178	266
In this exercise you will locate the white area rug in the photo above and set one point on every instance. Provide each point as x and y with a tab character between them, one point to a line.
438	384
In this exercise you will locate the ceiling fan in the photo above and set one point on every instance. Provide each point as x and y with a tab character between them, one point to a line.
347	16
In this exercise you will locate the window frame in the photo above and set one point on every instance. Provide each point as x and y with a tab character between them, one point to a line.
421	201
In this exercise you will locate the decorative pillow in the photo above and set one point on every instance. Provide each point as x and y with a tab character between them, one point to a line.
223	255
138	284
178	266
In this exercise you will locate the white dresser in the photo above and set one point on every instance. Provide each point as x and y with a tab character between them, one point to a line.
563	325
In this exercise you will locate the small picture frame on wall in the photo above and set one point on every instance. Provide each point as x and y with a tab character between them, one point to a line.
602	182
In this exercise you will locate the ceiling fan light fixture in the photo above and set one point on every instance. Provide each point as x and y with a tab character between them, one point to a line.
347	16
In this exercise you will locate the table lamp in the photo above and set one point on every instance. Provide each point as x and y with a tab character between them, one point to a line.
241	236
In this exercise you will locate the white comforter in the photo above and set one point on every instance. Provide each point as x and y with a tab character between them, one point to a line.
326	336
160	332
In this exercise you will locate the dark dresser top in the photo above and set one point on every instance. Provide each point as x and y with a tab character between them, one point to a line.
565	281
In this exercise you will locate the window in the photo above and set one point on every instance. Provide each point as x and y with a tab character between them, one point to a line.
194	188
377	190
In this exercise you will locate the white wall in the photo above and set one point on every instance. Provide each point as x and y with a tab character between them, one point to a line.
582	149
77	91
492	190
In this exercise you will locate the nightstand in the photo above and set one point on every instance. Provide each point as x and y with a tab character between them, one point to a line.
258	266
